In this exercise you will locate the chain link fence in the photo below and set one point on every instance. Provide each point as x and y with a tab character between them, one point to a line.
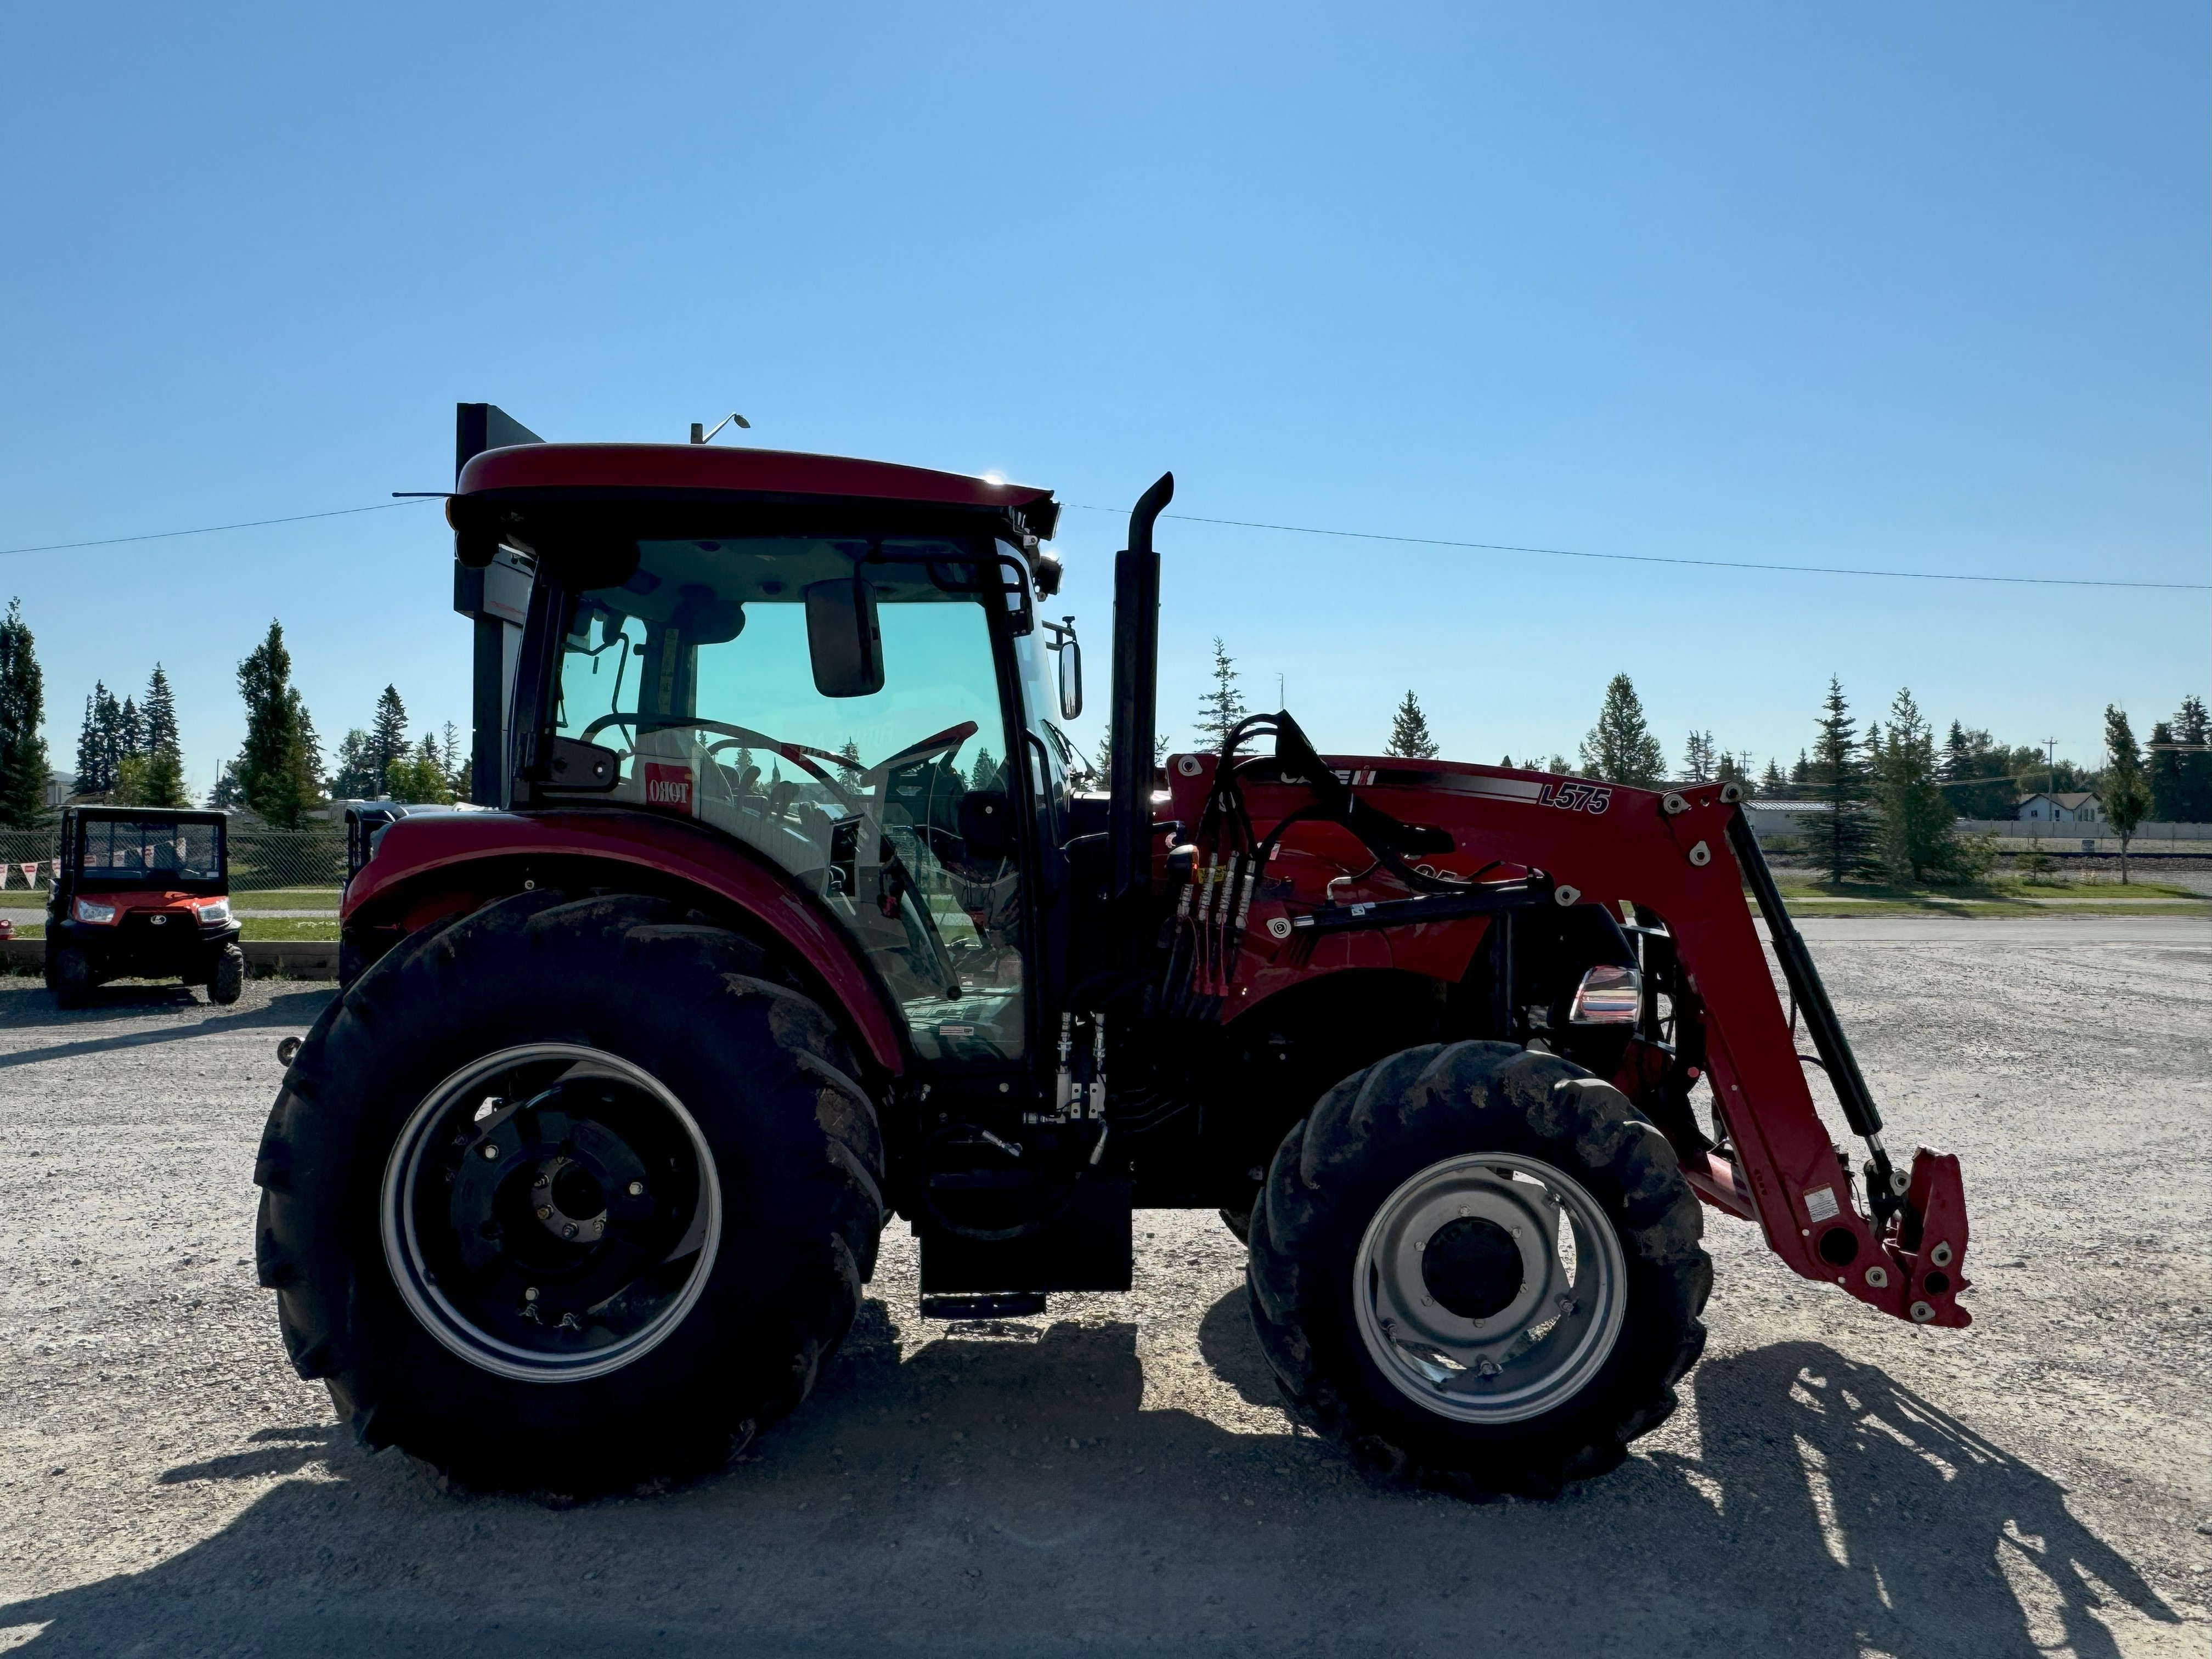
261	860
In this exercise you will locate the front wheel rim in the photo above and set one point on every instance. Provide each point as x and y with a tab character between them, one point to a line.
1490	1288
551	1212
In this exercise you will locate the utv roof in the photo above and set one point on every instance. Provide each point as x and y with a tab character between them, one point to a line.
148	814
687	468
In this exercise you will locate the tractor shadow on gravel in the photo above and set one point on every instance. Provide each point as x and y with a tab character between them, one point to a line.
110	1003
1002	1490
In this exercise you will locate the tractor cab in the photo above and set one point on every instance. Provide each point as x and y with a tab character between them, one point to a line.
857	690
142	892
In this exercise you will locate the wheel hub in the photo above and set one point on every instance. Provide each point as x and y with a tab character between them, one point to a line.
551	1212
1472	1266
1490	1288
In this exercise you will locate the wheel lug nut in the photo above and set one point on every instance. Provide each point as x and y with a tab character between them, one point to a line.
490	1150
530	1293
568	1231
545	1212
636	1189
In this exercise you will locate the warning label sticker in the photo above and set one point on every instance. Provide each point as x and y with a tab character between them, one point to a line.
1820	1203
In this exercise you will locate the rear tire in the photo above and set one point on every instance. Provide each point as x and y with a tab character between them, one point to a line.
226	975
1537	1363
399	1261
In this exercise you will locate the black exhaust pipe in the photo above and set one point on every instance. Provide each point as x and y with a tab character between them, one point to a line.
1136	690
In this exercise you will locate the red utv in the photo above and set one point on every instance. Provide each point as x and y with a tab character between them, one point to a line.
142	892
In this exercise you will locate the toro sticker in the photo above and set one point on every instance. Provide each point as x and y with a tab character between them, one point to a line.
668	786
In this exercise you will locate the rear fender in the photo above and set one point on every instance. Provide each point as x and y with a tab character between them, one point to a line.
432	867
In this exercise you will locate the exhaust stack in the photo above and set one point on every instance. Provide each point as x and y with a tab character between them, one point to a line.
1136	677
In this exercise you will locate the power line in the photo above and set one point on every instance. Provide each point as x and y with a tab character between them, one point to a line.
204	530
1659	558
1286	529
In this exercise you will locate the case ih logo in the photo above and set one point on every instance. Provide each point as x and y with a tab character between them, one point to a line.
668	786
1577	797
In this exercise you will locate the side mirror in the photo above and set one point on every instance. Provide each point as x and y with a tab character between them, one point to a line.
1070	650
842	641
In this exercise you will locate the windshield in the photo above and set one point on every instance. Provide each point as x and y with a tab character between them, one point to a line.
891	806
147	853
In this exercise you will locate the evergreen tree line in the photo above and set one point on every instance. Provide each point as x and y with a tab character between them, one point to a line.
127	753
278	772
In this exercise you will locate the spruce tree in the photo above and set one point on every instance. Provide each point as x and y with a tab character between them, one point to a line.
388	732
23	764
1220	709
1620	748
1919	829
1834	775
356	777
1698	758
226	793
2193	796
450	760
99	749
1409	733
1771	782
159	709
2163	773
129	731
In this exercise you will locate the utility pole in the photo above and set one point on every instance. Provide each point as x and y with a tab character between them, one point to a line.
2050	772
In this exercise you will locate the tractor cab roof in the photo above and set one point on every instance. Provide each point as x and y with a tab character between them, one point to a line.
668	471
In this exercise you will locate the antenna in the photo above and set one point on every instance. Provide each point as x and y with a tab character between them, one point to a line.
700	435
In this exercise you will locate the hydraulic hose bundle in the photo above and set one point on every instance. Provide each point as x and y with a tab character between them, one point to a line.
1212	877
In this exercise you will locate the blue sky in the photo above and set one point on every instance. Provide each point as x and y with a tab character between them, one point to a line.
1919	287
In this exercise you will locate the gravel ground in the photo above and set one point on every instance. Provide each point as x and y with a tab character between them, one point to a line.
1116	1476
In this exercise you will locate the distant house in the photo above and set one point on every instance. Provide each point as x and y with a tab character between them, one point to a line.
2083	808
1770	819
60	786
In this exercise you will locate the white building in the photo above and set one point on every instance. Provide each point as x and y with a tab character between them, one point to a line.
2082	808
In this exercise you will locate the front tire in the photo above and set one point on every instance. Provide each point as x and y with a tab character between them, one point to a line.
70	977
569	1194
1477	1269
226	980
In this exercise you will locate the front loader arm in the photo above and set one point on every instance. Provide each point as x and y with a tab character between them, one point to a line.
1905	1256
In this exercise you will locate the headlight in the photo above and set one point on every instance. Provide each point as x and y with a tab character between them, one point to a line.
215	914
1607	996
86	910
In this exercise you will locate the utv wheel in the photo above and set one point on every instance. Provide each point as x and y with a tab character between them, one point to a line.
69	976
568	1195
1478	1269
226	975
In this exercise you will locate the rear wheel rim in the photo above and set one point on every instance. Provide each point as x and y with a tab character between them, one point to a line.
551	1212
1490	1288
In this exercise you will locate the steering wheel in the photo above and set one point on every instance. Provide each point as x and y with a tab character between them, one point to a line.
799	754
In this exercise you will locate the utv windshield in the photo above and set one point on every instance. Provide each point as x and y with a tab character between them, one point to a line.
891	806
116	854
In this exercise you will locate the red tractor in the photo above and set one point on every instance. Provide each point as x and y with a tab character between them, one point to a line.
802	910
